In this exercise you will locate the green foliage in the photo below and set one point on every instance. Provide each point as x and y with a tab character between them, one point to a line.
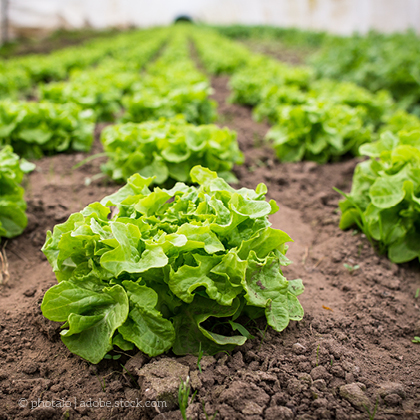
34	129
288	36
375	61
377	106
400	120
19	74
218	54
318	131
351	268
168	149
13	83
249	83
184	399
12	205
384	200
102	88
162	269
273	96
318	120
172	85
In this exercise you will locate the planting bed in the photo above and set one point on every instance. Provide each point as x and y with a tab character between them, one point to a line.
350	358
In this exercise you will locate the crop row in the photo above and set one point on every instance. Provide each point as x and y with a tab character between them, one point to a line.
128	85
183	265
375	61
321	119
20	75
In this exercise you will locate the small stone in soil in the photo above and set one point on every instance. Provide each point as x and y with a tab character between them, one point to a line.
298	348
353	394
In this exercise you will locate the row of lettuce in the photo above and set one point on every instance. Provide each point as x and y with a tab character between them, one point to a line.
375	61
163	105
182	268
113	90
313	119
21	76
322	119
185	267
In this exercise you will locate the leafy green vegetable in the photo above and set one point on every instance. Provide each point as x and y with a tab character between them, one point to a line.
19	74
13	83
377	107
168	149
250	82
165	266
293	37
172	85
102	88
318	131
34	129
384	200
375	61
13	219
400	120
273	96
217	53
316	120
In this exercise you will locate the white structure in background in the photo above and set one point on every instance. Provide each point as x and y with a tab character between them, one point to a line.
337	16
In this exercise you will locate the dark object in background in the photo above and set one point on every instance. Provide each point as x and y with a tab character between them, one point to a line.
183	19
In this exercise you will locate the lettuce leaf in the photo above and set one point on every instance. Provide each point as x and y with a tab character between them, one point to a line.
169	149
384	200
13	219
34	129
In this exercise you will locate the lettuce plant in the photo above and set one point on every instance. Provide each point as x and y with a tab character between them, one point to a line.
172	85
273	97
218	53
375	61
13	219
168	149
34	129
169	269
385	196
102	88
192	101
400	120
377	106
13	84
99	90
318	131
250	82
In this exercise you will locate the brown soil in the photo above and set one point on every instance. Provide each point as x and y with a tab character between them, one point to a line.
352	351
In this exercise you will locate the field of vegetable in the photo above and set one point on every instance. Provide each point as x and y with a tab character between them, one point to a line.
194	230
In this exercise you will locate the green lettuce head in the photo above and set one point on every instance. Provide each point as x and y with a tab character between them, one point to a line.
166	267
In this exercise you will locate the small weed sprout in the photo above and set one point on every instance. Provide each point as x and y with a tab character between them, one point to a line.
112	357
351	268
373	413
317	354
183	397
205	413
